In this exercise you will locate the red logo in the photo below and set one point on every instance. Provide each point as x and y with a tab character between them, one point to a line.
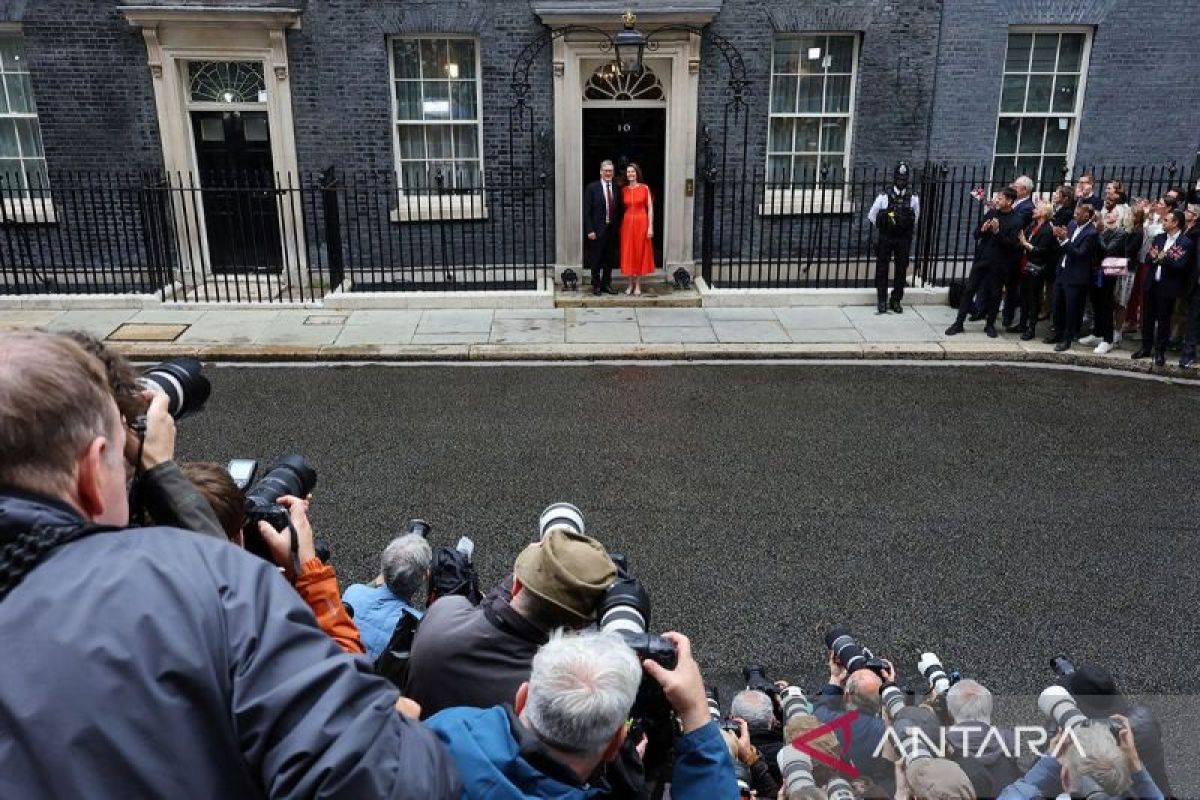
843	722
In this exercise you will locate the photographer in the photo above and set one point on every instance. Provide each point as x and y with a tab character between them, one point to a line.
569	720
467	655
973	736
858	691
755	761
404	569
175	665
756	708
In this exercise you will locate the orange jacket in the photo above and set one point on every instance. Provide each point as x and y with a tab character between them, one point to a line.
318	587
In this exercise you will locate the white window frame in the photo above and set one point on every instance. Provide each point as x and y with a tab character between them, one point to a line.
832	198
23	208
1080	91
421	208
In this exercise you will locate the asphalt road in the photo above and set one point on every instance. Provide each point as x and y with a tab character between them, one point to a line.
996	515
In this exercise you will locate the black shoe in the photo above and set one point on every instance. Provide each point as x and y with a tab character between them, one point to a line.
1141	353
990	330
880	307
608	289
596	291
1050	338
1027	335
975	317
1010	327
1061	346
954	329
896	307
1160	359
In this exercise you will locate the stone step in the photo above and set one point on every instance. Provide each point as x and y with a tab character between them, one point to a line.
653	296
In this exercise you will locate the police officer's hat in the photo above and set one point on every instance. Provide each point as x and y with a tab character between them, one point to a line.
902	172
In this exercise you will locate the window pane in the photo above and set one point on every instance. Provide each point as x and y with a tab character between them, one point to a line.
787	56
808	133
1006	134
255	129
837	97
412	141
20	94
407	58
779	138
435	103
8	139
804	169
1053	170
1058	133
1040	89
408	100
1028	165
462	94
778	169
412	175
808	99
462	58
1064	92
438	139
833	136
212	129
1070	53
11	178
1013	98
812	52
1003	170
783	95
1018	52
832	168
841	48
466	141
434	58
36	178
1045	52
466	175
3	99
1032	131
12	53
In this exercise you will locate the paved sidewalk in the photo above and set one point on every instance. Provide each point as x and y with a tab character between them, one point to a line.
572	333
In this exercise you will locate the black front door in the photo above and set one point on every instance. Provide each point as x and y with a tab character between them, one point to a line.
241	215
622	135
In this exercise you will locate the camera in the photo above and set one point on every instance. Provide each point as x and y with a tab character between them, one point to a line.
849	653
290	475
756	680
418	526
893	699
714	703
1062	666
183	383
930	666
795	768
793	703
1058	704
560	515
840	789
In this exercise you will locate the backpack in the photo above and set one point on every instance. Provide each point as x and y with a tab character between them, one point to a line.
393	661
452	572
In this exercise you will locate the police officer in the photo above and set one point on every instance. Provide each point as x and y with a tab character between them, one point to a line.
894	215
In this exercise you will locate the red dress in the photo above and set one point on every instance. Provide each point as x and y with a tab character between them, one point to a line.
637	249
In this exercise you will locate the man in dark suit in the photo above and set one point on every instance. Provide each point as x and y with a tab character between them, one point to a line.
1170	258
1191	326
1085	192
1023	208
602	228
1081	257
998	249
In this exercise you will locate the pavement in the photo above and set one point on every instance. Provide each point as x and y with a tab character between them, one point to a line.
806	332
997	515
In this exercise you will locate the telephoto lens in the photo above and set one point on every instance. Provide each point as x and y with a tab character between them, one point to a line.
840	789
892	700
793	703
795	768
1058	704
183	383
849	653
560	515
756	678
714	703
1061	666
931	667
419	526
290	475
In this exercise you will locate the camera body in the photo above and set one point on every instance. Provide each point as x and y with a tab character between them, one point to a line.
290	475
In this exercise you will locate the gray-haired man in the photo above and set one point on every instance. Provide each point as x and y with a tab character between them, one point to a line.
602	209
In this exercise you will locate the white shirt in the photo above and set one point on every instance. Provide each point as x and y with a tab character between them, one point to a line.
608	201
1073	236
1171	239
881	202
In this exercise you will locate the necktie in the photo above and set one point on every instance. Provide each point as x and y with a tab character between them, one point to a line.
607	203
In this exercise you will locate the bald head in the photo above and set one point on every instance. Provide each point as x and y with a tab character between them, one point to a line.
862	691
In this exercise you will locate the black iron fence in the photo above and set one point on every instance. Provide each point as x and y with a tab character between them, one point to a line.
812	231
271	238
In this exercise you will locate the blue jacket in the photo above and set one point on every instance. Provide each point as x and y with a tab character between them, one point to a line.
1081	257
1043	780
499	759
866	733
376	612
160	663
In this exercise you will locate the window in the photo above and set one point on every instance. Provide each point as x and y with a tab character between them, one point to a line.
435	95
1039	105
22	162
812	103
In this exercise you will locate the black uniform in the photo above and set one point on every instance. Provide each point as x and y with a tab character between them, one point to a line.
995	254
895	223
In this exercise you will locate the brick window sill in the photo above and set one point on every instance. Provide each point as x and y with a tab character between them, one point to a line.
449	208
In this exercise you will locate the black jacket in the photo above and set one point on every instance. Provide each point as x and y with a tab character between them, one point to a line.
1176	266
157	663
1045	253
1002	248
1081	256
172	500
593	220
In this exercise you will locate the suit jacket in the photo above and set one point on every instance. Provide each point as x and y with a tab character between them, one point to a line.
1092	200
1002	248
593	222
1176	269
1024	209
1045	253
1081	256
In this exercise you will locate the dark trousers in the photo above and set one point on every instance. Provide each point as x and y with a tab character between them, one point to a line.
1191	325
1157	308
888	248
1068	311
1031	288
1012	293
605	251
986	280
1102	309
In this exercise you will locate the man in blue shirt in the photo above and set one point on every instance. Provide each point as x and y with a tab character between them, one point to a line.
377	608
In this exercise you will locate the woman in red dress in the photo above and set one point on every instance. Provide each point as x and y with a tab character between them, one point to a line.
637	230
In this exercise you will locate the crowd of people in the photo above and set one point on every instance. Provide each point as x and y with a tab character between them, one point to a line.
1099	263
209	652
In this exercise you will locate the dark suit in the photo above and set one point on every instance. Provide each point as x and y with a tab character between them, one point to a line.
1041	263
1012	281
995	254
601	254
1081	257
1191	328
1166	283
